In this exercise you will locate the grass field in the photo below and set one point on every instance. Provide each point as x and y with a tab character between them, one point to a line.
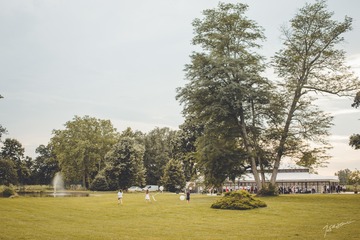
100	217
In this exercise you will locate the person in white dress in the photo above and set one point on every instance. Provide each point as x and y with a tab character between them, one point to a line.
147	196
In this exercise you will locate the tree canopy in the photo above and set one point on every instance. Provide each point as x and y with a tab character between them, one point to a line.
81	147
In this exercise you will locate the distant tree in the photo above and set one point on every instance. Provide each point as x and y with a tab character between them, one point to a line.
173	178
354	177
159	148
8	174
45	165
343	176
81	147
124	164
13	150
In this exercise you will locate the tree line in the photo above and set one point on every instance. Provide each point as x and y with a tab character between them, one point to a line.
91	152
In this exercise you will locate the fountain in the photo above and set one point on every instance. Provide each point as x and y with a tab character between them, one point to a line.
59	190
58	184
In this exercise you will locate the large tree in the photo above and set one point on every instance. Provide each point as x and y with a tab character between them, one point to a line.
226	93
81	147
309	63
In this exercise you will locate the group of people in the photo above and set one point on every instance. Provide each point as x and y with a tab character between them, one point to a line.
296	189
333	188
313	189
147	196
250	189
120	196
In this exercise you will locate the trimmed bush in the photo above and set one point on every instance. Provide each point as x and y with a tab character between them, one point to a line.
238	200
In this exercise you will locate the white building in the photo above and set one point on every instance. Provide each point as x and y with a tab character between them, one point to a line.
298	180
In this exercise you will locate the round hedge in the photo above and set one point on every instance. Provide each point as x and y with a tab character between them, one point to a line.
238	200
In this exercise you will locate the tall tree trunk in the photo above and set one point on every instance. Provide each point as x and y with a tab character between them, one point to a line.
262	172
255	173
284	135
249	149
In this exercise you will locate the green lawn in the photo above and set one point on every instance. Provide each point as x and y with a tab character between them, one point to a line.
100	217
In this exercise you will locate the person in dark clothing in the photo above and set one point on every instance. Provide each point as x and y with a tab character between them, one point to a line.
188	196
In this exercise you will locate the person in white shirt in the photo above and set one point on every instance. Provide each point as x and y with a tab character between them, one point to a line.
120	196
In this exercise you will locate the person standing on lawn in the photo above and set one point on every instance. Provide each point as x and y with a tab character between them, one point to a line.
120	196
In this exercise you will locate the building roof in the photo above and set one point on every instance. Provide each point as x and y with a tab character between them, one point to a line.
293	176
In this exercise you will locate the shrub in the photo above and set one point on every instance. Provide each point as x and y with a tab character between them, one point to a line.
99	184
269	190
7	192
238	200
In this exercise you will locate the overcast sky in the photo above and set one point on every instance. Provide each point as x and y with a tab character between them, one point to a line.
123	60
